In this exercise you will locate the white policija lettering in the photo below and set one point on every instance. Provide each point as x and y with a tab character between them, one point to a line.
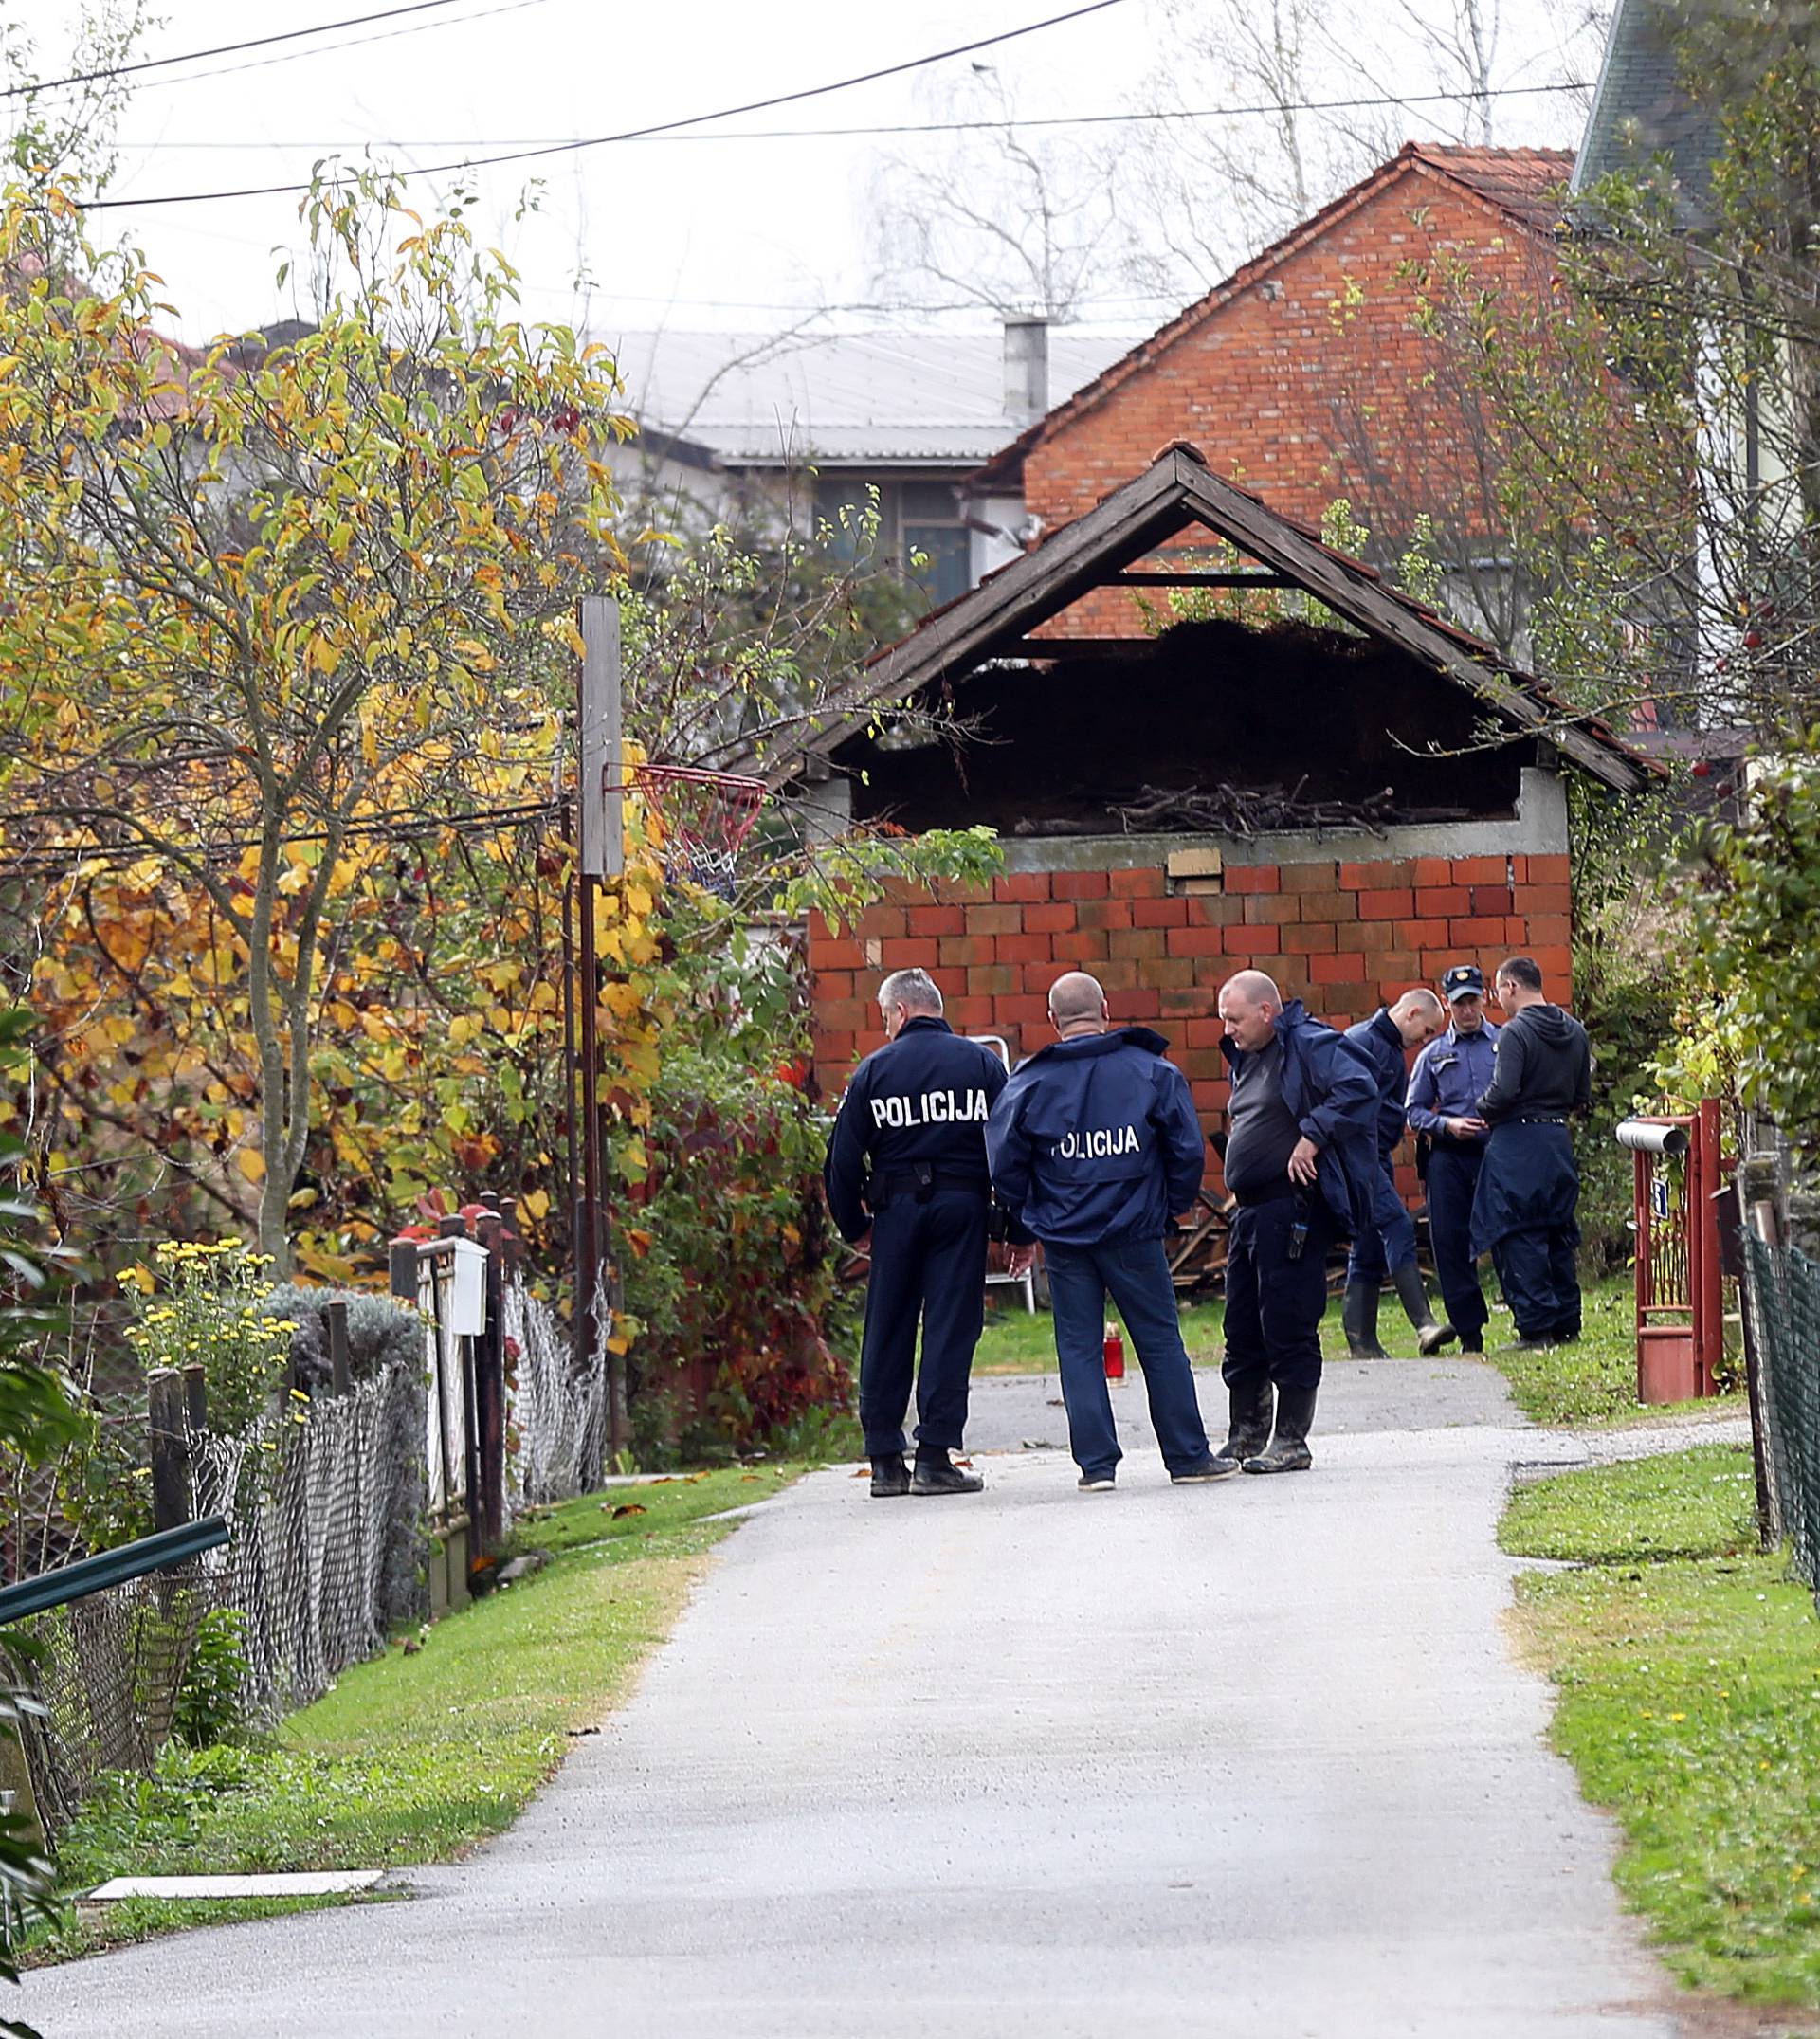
1100	1144
933	1108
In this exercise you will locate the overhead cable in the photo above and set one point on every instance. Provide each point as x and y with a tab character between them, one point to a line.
665	127
109	71
1472	92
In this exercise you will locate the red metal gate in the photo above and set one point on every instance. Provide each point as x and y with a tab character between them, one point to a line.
1681	1326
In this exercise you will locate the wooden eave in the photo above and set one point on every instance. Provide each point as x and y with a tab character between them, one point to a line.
1180	491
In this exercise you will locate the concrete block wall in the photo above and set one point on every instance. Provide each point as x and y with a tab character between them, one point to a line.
1342	936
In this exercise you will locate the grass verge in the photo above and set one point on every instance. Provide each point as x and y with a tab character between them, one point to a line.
1688	1673
1592	1382
414	1758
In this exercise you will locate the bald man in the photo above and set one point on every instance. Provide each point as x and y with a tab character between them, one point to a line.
1093	1144
1300	1155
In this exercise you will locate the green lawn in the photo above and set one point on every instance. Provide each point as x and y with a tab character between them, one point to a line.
1689	1672
414	1757
1590	1382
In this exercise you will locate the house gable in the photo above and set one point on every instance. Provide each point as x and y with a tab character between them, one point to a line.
1302	375
1179	492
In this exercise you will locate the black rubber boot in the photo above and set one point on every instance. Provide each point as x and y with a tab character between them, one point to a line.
1358	1315
1430	1337
1253	1404
890	1476
938	1474
1289	1450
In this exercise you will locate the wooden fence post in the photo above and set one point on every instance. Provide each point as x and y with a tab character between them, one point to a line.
171	1504
335	1316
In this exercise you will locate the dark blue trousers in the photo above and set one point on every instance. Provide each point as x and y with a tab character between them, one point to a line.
1453	1177
928	1264
1523	1214
1386	1236
1135	1273
1540	1280
1274	1305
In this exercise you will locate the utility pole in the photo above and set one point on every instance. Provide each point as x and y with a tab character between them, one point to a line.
601	810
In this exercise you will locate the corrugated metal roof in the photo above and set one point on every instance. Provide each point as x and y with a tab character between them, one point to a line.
911	398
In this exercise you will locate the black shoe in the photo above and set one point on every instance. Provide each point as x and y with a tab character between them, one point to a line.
1097	1482
1203	1470
1472	1341
890	1476
1532	1345
1253	1404
942	1476
1358	1317
1289	1450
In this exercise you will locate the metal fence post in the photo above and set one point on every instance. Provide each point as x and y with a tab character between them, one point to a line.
489	1387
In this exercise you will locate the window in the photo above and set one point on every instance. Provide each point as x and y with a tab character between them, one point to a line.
917	521
935	557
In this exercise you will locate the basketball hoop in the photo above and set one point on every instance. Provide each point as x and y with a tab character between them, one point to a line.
705	817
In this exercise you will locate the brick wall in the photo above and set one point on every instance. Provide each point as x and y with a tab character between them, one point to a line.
1310	383
1345	937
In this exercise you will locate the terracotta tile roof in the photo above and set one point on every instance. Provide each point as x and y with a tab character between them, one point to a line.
1515	182
1525	183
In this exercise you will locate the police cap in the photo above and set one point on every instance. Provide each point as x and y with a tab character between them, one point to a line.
1465	980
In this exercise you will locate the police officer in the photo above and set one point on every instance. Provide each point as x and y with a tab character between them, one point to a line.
1450	1074
1300	1153
906	1161
1386	1235
1523	1211
1093	1145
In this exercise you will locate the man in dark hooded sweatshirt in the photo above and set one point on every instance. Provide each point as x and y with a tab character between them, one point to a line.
1523	1211
1093	1144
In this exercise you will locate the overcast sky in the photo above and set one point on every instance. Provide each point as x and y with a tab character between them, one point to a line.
723	232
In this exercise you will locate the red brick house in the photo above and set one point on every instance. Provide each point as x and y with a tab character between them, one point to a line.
1428	824
1305	377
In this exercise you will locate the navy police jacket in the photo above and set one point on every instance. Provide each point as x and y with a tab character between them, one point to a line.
1382	1046
1096	1139
920	1101
1332	1091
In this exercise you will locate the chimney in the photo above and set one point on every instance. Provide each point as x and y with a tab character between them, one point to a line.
1027	366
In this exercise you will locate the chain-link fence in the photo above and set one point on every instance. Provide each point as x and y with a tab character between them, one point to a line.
556	1413
1781	1297
326	1553
107	1670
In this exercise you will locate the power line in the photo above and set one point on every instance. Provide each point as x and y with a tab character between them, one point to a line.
665	127
1473	92
329	49
220	50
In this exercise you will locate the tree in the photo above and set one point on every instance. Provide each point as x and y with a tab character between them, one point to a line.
270	611
1657	417
1002	221
1011	219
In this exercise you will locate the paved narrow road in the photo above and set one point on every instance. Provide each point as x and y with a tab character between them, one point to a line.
1250	1759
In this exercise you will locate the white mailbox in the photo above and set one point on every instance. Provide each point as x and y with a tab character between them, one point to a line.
467	1301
